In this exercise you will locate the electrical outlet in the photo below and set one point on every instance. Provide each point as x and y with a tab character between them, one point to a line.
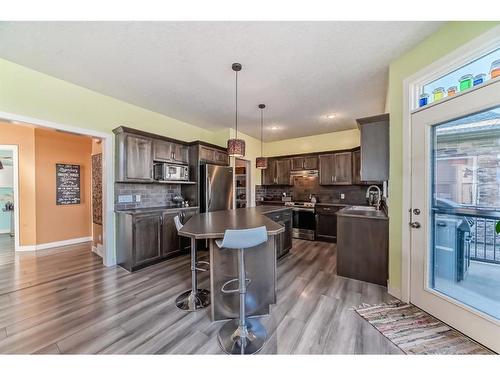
125	199
137	197
342	196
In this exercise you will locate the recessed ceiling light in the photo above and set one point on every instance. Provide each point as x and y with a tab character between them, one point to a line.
274	128
330	116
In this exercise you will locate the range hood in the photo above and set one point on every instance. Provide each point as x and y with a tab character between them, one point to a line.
305	173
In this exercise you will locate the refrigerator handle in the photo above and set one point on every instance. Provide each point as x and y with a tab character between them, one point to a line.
209	193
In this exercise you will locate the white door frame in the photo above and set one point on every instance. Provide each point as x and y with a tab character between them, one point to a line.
109	255
452	310
15	169
461	56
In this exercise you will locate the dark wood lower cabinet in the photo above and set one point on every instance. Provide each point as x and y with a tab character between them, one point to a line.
170	244
362	249
283	240
146	238
326	223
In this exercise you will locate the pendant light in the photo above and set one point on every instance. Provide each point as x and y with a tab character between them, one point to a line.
261	162
235	146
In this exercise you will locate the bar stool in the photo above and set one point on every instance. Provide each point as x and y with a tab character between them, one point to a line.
193	299
242	335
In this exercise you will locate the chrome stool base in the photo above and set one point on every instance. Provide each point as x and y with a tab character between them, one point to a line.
233	341
192	302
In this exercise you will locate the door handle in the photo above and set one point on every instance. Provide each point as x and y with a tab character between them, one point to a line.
415	225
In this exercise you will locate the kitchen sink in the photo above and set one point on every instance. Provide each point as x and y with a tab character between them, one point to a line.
362	208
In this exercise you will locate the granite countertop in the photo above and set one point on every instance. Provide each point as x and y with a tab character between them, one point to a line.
214	224
351	211
139	210
335	204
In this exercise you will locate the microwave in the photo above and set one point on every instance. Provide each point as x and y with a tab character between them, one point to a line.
171	172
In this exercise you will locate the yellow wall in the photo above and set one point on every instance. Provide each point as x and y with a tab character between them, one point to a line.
26	92
323	142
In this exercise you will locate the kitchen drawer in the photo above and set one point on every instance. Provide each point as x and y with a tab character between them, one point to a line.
327	210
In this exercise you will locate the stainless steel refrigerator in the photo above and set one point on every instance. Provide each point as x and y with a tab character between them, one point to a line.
216	188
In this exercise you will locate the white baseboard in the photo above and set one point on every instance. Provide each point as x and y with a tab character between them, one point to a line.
395	292
99	250
50	245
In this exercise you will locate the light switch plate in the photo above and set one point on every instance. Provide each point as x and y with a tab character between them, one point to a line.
342	196
137	197
125	199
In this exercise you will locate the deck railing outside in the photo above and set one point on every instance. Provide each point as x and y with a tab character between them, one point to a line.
484	241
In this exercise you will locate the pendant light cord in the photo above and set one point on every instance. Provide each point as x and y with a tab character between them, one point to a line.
236	116
261	126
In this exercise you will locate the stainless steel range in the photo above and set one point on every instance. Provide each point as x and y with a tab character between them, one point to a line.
304	223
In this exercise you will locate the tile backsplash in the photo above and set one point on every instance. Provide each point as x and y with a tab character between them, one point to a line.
151	195
304	186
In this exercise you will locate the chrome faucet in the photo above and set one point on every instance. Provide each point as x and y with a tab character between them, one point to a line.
369	196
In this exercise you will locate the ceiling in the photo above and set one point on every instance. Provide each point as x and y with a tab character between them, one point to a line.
302	71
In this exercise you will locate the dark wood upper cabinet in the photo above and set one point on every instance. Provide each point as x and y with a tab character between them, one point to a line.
326	169
207	154
162	150
134	158
180	153
356	167
277	172
374	147
221	157
311	162
343	168
283	167
297	164
170	152
335	169
269	174
213	155
304	162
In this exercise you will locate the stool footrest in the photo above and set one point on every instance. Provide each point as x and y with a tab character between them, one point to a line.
201	269
230	291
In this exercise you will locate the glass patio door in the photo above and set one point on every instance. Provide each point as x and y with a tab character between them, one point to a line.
455	249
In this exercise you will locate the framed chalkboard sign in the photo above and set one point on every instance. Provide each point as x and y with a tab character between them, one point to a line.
67	184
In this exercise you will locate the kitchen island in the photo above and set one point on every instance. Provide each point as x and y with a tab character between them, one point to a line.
260	261
363	244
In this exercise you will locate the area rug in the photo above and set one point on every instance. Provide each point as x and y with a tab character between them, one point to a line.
416	332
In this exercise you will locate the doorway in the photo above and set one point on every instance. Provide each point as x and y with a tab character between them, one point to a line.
455	212
107	175
8	201
242	183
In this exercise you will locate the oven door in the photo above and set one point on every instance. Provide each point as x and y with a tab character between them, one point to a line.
304	223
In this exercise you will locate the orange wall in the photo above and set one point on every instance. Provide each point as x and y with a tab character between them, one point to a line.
23	137
63	222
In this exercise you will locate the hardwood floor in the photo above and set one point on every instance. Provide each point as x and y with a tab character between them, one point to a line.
67	302
6	249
